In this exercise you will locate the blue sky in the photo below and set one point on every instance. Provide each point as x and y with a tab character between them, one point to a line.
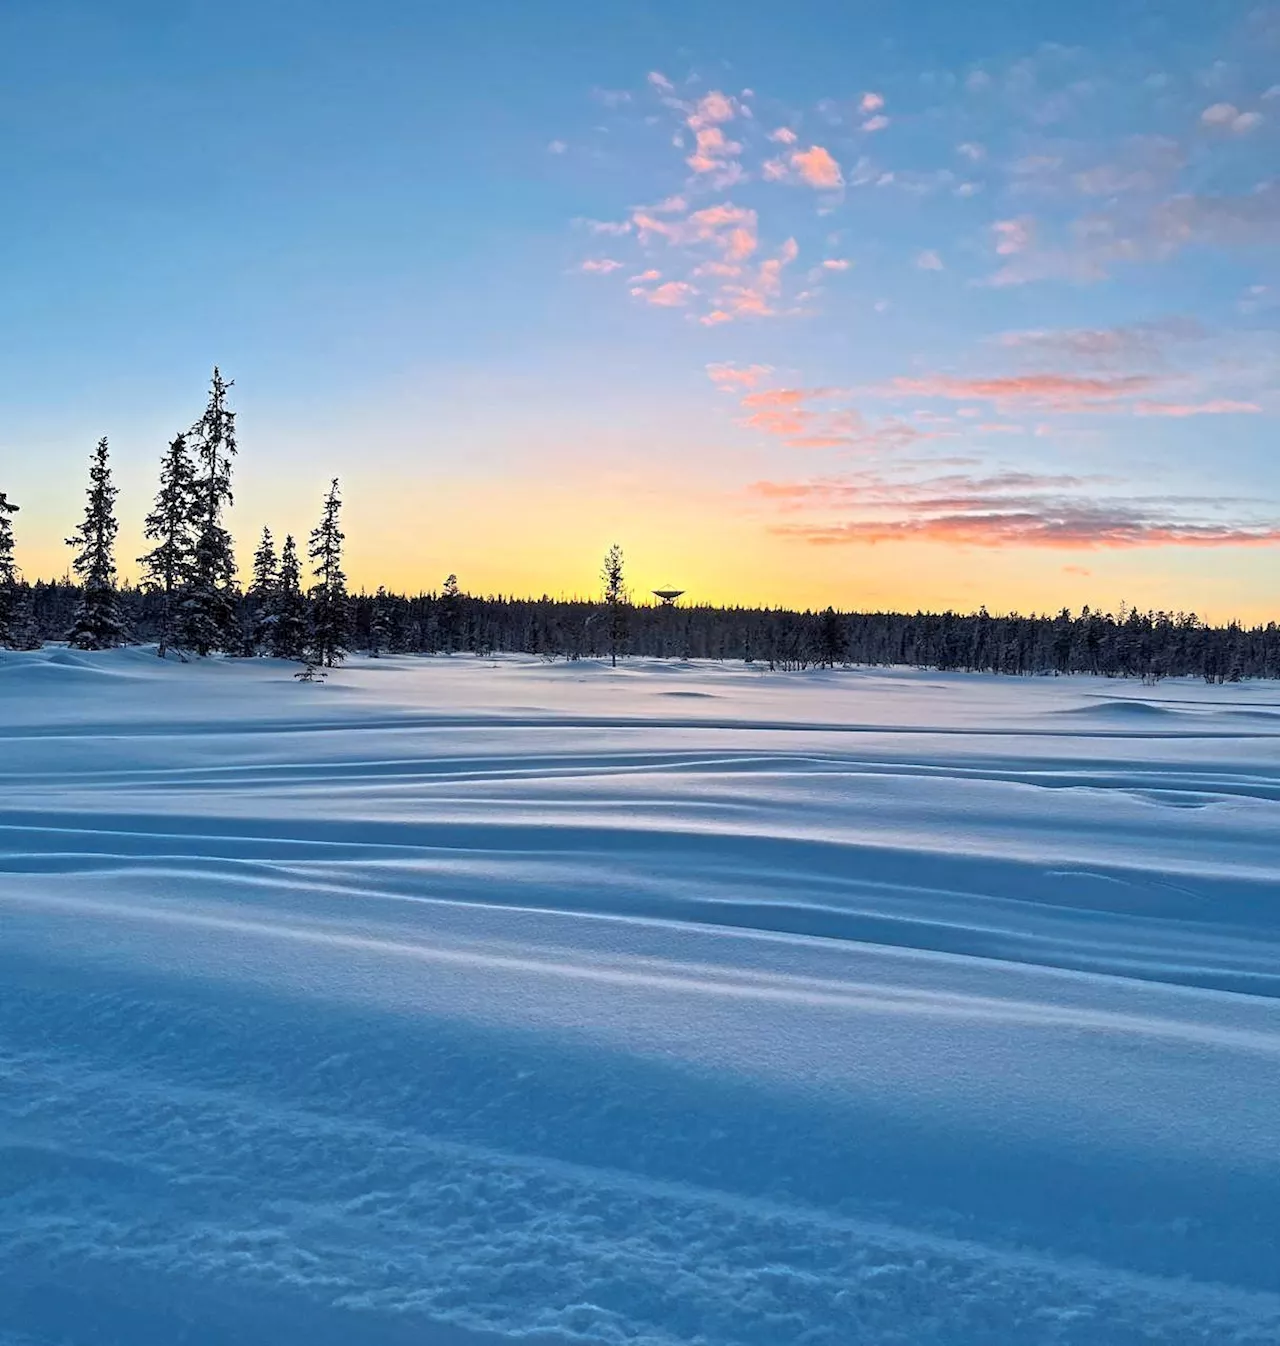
931	305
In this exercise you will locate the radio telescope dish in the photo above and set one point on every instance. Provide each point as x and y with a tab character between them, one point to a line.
667	596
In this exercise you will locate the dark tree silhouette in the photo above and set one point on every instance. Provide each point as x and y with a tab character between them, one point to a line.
167	567
98	623
288	634
379	623
259	602
208	618
450	615
330	624
8	573
616	601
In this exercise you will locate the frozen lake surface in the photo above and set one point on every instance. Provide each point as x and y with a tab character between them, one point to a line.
462	1001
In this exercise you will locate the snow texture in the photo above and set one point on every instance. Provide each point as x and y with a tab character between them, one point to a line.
457	1002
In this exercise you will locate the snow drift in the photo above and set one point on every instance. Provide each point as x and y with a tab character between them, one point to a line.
463	1001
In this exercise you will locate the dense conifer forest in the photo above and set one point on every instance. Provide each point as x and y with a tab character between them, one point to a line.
191	603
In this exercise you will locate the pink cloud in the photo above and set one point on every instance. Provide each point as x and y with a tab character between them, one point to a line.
835	264
929	261
784	135
729	377
601	266
871	102
715	317
876	123
660	81
817	168
646	276
1061	391
1216	407
1013	236
674	294
715	107
1080	528
776	397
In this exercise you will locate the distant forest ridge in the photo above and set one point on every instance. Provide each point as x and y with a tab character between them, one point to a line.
1133	645
295	603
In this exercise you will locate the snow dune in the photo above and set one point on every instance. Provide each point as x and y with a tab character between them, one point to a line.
461	1001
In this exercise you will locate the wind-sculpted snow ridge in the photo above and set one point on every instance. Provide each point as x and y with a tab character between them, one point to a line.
457	1002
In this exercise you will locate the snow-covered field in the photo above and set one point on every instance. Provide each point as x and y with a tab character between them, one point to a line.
456	1001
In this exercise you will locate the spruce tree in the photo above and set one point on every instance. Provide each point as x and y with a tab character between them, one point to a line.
208	607
8	573
287	638
450	614
167	567
379	623
262	594
616	602
98	624
330	618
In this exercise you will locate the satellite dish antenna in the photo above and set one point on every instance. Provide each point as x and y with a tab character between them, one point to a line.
667	597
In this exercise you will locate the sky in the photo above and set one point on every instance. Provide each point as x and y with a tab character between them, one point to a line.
879	306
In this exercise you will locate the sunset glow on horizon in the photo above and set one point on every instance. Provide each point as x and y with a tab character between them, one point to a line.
829	307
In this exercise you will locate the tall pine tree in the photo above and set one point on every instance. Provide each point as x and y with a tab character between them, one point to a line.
330	618
8	573
261	597
617	602
167	567
287	638
98	624
208	618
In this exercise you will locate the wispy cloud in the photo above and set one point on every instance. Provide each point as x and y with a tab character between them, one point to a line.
602	266
1075	527
1218	406
1062	392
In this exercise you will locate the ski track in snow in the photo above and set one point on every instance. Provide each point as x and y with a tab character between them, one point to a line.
458	1002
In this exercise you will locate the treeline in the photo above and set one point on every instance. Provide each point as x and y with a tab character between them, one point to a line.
191	601
448	621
